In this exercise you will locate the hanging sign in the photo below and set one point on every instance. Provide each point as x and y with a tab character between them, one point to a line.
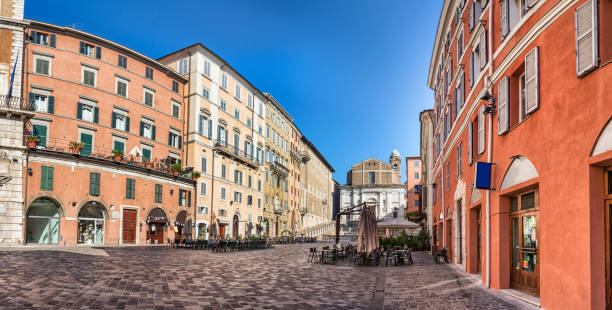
483	175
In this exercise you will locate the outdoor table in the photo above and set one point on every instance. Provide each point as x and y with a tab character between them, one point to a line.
399	257
323	252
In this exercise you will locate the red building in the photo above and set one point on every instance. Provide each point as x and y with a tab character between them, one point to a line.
109	123
523	85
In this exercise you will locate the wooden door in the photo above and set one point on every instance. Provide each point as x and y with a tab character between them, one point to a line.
608	232
525	268
222	231
478	241
449	240
129	226
155	232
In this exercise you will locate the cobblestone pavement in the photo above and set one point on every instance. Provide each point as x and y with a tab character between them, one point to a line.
279	278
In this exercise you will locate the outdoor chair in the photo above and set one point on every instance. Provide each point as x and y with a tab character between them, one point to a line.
390	258
329	257
408	256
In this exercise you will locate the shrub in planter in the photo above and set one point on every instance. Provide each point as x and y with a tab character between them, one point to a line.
177	168
76	147
118	155
32	141
195	175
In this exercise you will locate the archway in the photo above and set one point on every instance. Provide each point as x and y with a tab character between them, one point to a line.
42	226
91	224
235	221
266	227
156	223
180	228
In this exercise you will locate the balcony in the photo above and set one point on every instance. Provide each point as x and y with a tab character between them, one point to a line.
60	146
17	105
305	156
279	168
295	154
236	153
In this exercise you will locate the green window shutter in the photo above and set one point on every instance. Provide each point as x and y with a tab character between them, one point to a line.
180	197
152	132
32	36
79	110
96	113
41	132
127	124
51	106
94	183
146	154
52	40
87	140
189	198
46	178
98	52
113	119
180	142
127	188
43	178
170	138
141	128
82	47
32	97
158	193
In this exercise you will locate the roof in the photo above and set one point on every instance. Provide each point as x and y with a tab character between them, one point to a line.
132	52
314	150
436	48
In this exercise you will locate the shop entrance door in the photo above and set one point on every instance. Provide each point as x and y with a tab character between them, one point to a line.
449	240
129	226
222	231
608	232
525	270
478	242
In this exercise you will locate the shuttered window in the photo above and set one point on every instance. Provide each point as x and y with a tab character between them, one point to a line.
483	48
481	130
472	77
586	38
531	3
130	188
503	112
46	178
504	18
459	149
470	140
531	81
94	184
158	192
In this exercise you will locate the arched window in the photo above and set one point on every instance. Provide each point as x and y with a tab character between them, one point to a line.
91	224
42	224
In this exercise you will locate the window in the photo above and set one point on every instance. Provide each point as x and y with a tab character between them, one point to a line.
42	38
89	76
203	167
202	189
90	50
250	101
122	61
237	114
416	175
417	163
460	46
87	112
586	38
46	178
459	159
94	184
475	11
481	130
148	96
372	177
40	131
176	110
86	137
175	86
447	176
224	81
223	105
503	110
258	203
174	139
259	185
42	65
205	126
158	193
119	144
149	73
250	181
249	200
222	212
41	103
223	193
249	122
182	66
531	81
121	87
130	188
237	197
237	177
223	171
202	210
147	130
205	93
146	153
237	92
207	68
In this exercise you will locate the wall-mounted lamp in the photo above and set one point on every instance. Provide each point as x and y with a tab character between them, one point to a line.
30	171
171	191
490	108
74	203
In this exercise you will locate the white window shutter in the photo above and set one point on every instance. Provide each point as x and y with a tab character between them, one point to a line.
470	140
472	69
504	18
586	38
483	48
472	8
530	3
503	111
481	130
531	81
462	90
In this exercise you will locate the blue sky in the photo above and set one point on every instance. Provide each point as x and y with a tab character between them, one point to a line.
351	73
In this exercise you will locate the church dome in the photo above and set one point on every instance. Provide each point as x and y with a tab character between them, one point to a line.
395	153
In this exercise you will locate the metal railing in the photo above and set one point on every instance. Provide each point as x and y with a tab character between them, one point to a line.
236	153
102	152
279	168
17	103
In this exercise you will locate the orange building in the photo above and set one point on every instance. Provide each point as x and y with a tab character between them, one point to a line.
413	178
523	85
109	123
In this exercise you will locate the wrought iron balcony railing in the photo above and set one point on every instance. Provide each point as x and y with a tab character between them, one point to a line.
235	153
17	103
279	168
295	154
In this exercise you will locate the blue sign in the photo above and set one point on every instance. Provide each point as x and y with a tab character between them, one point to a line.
483	175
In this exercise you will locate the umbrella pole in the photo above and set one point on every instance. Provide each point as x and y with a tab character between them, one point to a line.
337	228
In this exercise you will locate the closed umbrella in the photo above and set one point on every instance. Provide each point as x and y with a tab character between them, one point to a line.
367	241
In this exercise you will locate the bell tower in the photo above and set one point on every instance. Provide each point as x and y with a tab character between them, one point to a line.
396	163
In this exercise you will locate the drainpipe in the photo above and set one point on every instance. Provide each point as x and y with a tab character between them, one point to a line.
489	150
24	92
212	195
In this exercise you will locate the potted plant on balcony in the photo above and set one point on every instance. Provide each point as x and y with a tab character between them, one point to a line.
177	168
75	146
148	164
31	141
195	175
117	155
